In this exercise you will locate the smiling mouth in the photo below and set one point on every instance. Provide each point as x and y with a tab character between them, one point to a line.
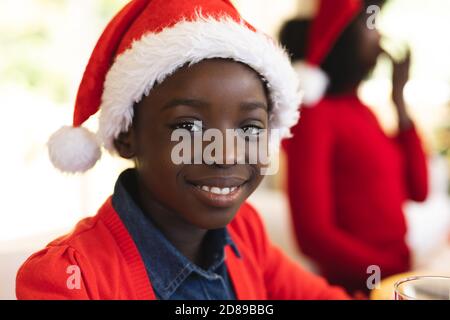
218	190
218	193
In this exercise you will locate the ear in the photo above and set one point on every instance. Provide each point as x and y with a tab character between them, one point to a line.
125	144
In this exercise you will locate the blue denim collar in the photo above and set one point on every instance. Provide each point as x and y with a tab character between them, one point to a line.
166	266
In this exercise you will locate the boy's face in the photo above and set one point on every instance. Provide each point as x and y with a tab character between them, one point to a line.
222	94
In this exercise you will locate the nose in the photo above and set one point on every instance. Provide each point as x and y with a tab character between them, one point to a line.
229	158
230	149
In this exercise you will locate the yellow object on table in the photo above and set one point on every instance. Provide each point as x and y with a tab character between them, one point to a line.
386	288
438	265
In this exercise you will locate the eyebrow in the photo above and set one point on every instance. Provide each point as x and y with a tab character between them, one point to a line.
253	105
186	102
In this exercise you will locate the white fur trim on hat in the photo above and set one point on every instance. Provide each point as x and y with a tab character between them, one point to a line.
73	149
157	55
313	82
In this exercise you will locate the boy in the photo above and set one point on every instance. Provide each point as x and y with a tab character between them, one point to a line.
175	230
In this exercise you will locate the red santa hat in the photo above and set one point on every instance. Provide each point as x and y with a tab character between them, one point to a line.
147	41
331	19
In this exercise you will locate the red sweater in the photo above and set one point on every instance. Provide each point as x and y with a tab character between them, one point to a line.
111	266
347	182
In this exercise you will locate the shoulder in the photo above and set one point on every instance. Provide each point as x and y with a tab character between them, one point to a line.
323	107
320	116
46	274
317	123
85	251
91	237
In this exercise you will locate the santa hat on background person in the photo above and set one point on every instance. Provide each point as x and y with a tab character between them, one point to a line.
331	19
147	41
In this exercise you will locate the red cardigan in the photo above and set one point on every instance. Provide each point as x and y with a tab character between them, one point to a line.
347	183
112	268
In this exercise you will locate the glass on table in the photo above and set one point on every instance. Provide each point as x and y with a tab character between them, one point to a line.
423	288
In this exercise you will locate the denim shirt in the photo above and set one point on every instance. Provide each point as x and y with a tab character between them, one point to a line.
173	276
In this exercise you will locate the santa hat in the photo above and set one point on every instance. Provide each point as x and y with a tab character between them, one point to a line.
331	19
147	41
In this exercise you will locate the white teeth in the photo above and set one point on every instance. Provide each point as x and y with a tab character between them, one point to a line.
217	190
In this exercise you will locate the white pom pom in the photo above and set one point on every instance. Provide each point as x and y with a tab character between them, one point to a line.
313	82
73	149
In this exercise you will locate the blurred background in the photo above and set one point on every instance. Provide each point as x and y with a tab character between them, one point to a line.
44	47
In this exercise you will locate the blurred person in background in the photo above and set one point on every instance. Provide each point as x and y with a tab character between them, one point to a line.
348	180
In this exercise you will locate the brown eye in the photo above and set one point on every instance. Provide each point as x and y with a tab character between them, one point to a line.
252	130
191	126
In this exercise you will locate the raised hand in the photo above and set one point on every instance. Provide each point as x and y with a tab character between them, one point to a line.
400	76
